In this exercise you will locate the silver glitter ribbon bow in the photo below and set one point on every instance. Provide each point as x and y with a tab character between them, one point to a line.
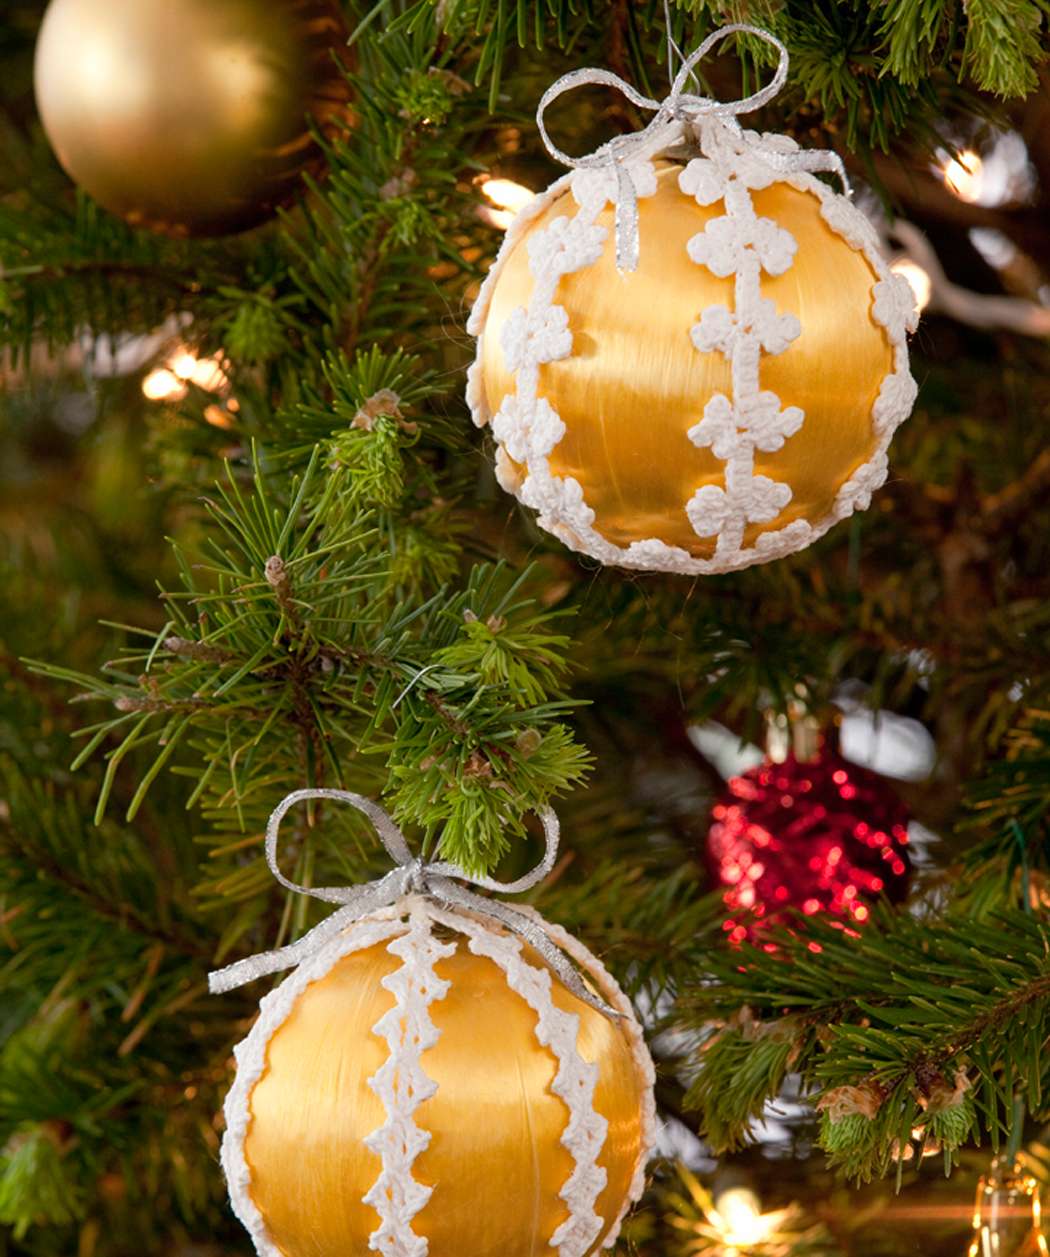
677	118
437	880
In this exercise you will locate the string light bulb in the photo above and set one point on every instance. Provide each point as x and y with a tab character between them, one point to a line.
181	368
183	364
738	1215
1007	1216
163	385
919	280
963	175
209	375
729	1221
506	198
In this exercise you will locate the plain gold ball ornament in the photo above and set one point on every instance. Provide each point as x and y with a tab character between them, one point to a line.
191	117
691	352
424	1084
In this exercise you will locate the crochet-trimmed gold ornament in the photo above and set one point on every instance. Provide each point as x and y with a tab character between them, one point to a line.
435	1078
691	353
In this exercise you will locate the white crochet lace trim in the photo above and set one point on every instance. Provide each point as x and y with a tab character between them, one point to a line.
739	243
614	996
608	988
574	1082
250	1055
402	1084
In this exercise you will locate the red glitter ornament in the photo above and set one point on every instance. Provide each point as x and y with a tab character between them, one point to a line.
821	836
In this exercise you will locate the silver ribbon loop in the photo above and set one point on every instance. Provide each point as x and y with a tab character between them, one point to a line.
437	880
671	124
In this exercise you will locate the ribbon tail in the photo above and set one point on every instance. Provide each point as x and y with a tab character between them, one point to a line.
366	899
281	958
453	895
626	220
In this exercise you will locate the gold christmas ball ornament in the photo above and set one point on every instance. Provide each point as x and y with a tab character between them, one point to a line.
691	353
426	1084
190	117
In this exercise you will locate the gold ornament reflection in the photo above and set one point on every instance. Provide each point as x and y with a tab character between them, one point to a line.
495	1160
634	383
190	116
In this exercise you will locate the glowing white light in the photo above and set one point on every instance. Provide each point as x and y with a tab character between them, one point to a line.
921	284
505	194
1000	175
963	175
169	382
507	198
183	364
207	374
741	1220
163	385
496	218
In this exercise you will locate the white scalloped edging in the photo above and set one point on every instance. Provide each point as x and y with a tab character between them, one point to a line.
574	1083
609	989
402	1085
250	1055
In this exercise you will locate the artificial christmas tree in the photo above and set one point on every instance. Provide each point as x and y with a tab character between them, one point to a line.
350	602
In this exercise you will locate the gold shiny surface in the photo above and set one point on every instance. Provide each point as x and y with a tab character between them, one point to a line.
635	383
189	116
494	1160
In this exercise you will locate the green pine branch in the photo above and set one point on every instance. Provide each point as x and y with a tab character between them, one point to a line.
285	660
926	1024
1012	799
874	72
